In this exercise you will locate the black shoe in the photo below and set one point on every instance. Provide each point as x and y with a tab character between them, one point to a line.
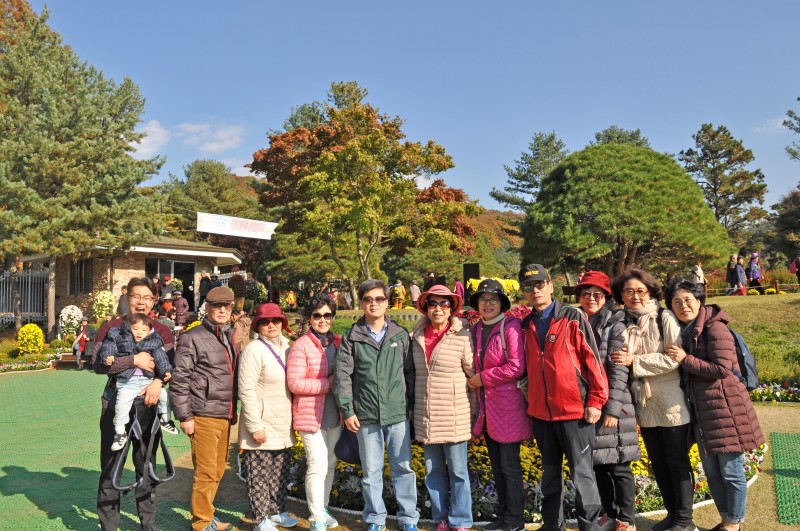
663	525
497	525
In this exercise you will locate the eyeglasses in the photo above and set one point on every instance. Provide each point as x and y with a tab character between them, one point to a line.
146	298
489	300
270	320
441	304
370	300
220	305
596	295
630	292
538	284
680	303
317	316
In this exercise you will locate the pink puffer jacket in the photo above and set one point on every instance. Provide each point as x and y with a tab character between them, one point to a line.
503	408
307	376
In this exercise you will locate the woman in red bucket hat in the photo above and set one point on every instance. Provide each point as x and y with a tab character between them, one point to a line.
442	353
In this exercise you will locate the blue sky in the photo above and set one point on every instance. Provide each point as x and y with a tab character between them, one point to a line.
477	77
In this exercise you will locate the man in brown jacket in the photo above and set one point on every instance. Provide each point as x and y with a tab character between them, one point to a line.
203	394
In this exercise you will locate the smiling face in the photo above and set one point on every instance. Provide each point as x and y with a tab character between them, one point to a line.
439	315
321	320
538	294
489	305
685	306
270	327
140	300
592	300
635	294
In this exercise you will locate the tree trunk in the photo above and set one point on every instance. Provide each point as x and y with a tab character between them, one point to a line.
51	300
10	265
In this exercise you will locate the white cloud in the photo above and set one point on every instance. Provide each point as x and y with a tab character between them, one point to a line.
237	167
155	138
774	125
210	138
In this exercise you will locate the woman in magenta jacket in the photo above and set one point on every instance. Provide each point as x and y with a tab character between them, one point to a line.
315	415
502	417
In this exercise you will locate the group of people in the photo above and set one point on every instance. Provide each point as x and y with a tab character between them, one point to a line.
577	380
739	277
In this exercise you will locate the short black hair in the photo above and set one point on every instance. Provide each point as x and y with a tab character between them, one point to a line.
642	276
137	318
143	281
687	285
371	284
316	302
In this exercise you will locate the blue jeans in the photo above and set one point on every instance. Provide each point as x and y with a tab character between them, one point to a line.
127	391
726	481
371	438
451	499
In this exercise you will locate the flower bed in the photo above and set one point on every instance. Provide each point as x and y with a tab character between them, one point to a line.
346	491
27	363
775	392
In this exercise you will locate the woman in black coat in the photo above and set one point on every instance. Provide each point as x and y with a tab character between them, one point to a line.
617	442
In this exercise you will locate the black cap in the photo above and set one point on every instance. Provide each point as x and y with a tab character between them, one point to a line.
490	285
532	273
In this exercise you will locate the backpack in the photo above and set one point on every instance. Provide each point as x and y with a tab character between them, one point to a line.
747	363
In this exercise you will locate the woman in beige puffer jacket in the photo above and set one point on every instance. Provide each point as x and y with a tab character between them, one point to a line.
443	404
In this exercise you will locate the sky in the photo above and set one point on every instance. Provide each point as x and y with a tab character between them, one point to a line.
479	78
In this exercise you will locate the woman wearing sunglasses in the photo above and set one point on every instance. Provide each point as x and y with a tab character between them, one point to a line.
265	430
315	415
617	442
661	408
442	354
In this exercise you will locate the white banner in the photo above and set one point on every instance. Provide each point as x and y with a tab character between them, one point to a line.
243	227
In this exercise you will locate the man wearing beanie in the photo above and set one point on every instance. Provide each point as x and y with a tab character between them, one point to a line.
567	389
203	394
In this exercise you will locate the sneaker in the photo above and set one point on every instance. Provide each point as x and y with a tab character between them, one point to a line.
330	521
119	441
494	526
663	525
408	527
376	527
266	525
622	526
169	427
318	525
283	520
218	526
443	526
607	523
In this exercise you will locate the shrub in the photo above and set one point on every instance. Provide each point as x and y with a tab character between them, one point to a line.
238	286
30	339
69	319
176	284
60	343
103	304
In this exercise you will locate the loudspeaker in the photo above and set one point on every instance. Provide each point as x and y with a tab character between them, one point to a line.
471	271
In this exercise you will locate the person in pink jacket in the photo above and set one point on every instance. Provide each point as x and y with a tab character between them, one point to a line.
502	417
315	415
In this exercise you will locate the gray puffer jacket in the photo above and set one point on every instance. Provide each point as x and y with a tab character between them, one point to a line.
621	444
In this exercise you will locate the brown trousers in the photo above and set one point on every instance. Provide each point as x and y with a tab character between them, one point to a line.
209	456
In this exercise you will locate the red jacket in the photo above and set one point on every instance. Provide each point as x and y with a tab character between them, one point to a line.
569	375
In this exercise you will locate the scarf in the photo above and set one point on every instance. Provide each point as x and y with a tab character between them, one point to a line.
641	338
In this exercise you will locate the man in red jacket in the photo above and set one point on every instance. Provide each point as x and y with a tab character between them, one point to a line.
567	388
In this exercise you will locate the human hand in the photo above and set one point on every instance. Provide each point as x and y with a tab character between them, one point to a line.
475	381
152	392
610	421
352	423
110	360
676	353
187	426
591	414
622	357
260	436
167	377
144	361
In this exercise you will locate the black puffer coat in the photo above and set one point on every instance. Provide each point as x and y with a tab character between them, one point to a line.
620	444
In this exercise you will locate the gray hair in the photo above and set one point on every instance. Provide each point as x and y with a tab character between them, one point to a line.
371	284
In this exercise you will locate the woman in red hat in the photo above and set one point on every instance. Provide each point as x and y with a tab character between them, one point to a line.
617	442
265	428
315	415
442	353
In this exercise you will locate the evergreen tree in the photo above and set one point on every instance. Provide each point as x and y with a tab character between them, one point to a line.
617	135
793	123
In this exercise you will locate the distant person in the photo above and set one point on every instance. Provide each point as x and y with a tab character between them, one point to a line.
430	281
122	307
273	295
414	293
741	277
181	307
795	267
84	340
730	276
241	329
167	288
205	287
398	293
755	274
165	319
697	274
458	289
215	282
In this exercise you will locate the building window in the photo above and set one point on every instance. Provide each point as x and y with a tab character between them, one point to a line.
80	276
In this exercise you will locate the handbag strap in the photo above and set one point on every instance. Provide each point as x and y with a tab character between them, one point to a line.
278	358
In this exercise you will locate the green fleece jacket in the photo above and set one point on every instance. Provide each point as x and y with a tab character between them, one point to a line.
374	382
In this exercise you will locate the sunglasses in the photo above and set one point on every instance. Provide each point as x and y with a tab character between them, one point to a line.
370	300
440	304
270	320
317	316
538	284
596	295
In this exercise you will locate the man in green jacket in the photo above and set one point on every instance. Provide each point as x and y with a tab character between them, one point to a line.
374	385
